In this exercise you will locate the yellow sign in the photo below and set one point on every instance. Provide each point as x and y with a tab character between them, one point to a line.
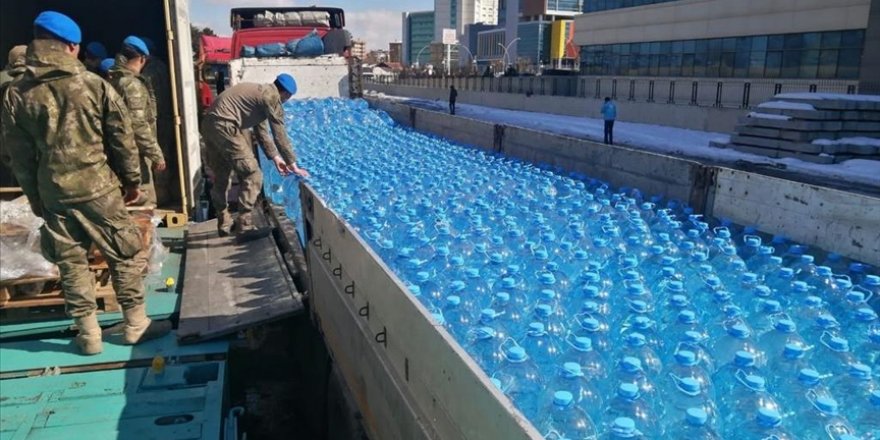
559	36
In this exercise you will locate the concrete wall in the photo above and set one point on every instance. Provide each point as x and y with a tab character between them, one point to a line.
837	221
692	19
716	119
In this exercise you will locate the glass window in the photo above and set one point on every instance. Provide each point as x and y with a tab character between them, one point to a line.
848	63
665	47
828	64
624	48
741	64
851	38
715	45
644	65
678	47
655	65
687	65
675	64
773	65
713	62
812	40
791	63
701	46
655	48
794	41
727	63
743	44
728	44
756	64
645	48
663	67
775	42
830	40
700	61
809	63
759	43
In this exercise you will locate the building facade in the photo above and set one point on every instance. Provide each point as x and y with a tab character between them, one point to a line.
418	33
395	51
358	48
807	39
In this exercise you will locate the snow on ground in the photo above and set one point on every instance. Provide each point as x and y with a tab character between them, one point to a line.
866	141
691	144
768	116
829	96
785	105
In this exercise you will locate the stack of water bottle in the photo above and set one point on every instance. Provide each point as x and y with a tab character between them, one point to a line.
602	313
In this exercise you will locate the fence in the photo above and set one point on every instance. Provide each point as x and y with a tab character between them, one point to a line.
704	92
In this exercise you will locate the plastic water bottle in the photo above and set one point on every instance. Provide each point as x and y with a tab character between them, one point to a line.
528	383
738	338
686	321
688	365
789	364
567	418
695	342
597	330
570	377
818	418
867	419
854	387
781	280
809	309
790	391
685	393
484	346
760	295
833	354
636	345
784	332
869	350
550	318
865	321
543	347
765	319
510	315
670	310
766	424
747	397
629	402
581	352
622	428
629	370
694	426
824	323
457	319
725	379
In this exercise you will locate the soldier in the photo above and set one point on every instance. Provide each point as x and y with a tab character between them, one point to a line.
13	71
156	75
228	145
95	52
70	141
105	66
126	79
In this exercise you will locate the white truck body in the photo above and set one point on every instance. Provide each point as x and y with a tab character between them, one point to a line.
322	77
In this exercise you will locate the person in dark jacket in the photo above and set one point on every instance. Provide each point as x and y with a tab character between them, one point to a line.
609	113
453	95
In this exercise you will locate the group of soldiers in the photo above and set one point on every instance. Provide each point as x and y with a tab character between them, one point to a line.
83	147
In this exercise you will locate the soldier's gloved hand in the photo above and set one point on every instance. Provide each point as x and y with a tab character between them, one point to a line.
281	166
132	196
159	166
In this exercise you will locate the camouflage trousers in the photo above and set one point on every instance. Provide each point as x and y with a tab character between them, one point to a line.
68	234
228	149
148	183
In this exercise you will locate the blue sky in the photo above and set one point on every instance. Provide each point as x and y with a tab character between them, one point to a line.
376	21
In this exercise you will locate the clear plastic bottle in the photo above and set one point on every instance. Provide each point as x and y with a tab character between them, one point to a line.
854	387
570	377
597	330
790	391
738	338
682	393
688	365
725	379
484	346
694	426
527	381
824	323
629	370
623	428
457	319
749	395
832	354
763	320
542	346
765	424
819	418
565	417
789	364
784	332
636	345
670	310
629	402
591	362
867	420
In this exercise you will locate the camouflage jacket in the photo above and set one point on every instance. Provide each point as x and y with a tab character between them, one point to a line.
141	109
67	131
155	74
6	79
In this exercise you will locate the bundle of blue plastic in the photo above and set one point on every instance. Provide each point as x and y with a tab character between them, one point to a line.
601	312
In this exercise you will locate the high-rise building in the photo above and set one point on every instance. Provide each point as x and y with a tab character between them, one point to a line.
456	14
534	28
394	52
358	48
418	33
722	38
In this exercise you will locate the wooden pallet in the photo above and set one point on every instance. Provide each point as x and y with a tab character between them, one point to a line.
19	303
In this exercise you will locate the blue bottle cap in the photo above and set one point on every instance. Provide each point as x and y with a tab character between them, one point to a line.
813	301
843	283
630	275
496	258
591	277
731	311
591	324
562	398
854	296
496	382
657	249
713	281
687	317
457	286
453	300
768	417
442	251
686	358
630	364
809	377
484	333
624	427
767	250
721	296
636	340
826	404
439	318
516	353
679	301
591	292
543	310
696	417
405	252
860	371
739	331
457	261
756	382
693	337
572	369
472	272
502	297
744	359
580	255
639	306
729	250
488	315
688	246
786	326
772	306
753	241
706	268
541	255
800	286
536	329
838	344
513	268
866	314
762	291
690	385
675	286
547	295
872	280
786	273
793	351
590	307
628	390
668	271
583	343
749	277
824	271
508	283
547	279
421	277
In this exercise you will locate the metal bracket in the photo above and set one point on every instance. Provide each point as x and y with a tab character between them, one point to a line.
337	272
349	289
327	256
382	337
365	311
318	243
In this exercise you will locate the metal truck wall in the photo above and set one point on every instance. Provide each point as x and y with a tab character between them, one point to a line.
322	77
410	379
837	221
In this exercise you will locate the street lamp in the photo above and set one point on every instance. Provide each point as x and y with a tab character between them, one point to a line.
506	55
471	58
419	56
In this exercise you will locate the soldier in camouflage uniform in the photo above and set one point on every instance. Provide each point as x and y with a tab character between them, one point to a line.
124	76
156	76
14	69
71	144
229	149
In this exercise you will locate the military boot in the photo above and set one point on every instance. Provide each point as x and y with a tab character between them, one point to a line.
244	224
224	224
89	337
140	328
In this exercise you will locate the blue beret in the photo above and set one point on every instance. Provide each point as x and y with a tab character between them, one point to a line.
96	50
287	82
59	25
136	44
106	64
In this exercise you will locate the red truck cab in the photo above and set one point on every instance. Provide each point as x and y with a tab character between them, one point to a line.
256	26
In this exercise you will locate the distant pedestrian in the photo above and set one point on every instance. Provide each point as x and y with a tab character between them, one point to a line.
453	95
609	113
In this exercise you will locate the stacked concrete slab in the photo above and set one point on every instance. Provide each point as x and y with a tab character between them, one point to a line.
817	127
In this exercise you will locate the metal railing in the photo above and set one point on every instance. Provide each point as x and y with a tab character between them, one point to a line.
705	92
